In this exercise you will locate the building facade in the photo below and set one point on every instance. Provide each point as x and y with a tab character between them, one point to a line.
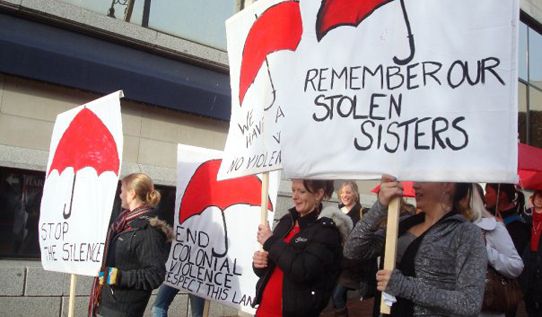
170	59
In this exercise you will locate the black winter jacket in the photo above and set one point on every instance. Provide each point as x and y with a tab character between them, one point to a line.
356	274
519	230
310	263
139	254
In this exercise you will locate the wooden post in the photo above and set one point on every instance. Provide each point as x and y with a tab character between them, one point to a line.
392	230
265	194
71	307
206	308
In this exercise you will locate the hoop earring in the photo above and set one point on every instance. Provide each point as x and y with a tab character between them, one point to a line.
443	197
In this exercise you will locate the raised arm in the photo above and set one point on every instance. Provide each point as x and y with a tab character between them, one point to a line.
366	241
466	298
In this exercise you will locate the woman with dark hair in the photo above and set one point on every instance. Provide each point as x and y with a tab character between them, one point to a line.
501	253
441	257
136	249
300	259
507	203
531	278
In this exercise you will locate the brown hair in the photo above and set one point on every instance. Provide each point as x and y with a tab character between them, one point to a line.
510	191
353	186
537	192
313	186
143	187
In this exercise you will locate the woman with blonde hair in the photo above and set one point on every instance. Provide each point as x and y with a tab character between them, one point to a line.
354	275
136	252
441	258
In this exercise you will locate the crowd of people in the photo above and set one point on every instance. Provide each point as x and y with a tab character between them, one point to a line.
451	249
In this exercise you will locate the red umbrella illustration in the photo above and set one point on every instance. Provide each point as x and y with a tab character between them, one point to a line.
203	190
277	28
529	166
335	13
86	143
408	189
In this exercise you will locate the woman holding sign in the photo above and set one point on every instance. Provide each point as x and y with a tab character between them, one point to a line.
137	252
441	257
299	265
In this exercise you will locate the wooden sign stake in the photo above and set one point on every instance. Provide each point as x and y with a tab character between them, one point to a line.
390	251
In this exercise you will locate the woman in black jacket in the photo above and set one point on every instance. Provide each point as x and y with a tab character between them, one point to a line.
354	275
299	265
137	252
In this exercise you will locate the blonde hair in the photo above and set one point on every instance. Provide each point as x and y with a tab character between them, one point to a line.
143	187
475	209
353	186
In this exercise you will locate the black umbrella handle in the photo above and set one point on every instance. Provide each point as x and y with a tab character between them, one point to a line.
411	44
67	215
223	254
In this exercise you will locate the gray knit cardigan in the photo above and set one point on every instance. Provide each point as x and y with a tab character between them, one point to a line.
450	264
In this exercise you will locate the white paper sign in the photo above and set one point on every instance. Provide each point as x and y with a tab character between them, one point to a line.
215	229
423	90
366	100
254	35
82	176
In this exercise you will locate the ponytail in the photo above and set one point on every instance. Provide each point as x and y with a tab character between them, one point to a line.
144	188
153	197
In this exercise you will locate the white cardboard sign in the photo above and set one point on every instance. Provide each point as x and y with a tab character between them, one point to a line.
215	229
81	181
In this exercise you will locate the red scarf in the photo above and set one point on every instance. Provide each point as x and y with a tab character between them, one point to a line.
118	226
536	230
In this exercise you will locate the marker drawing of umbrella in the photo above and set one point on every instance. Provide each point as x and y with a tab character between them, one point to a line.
335	13
86	143
277	28
203	191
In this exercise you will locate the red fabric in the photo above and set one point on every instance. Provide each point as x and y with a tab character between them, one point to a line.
536	230
408	189
271	305
529	166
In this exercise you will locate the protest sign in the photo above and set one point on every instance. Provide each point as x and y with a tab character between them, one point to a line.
215	229
260	37
422	90
80	186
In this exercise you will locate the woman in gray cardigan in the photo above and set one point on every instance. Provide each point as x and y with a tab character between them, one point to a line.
441	257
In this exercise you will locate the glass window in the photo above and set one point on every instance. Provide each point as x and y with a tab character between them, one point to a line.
535	62
522	112
535	117
20	200
522	54
201	21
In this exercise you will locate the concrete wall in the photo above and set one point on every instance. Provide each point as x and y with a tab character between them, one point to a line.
29	108
533	8
28	290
